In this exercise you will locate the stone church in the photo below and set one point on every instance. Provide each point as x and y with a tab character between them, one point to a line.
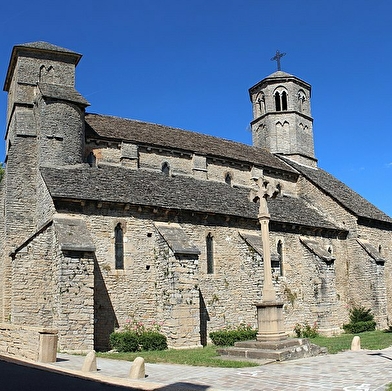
105	219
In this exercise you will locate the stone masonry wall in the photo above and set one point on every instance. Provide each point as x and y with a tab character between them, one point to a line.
61	133
375	278
45	206
382	240
22	341
75	301
156	285
178	295
52	289
179	165
217	171
34	282
4	260
28	71
359	281
20	186
182	164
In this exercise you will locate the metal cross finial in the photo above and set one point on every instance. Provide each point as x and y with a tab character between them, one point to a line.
277	58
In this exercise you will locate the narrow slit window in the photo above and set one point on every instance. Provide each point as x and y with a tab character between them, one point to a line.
119	246
210	254
284	101
166	169
92	160
279	250
277	102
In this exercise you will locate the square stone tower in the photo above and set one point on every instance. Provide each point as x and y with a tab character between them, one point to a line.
45	127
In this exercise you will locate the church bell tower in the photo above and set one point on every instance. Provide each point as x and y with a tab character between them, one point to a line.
282	121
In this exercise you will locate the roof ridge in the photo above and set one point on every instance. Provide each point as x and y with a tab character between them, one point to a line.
43	45
343	194
172	138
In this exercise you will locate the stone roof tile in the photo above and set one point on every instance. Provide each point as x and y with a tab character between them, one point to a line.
62	92
347	197
176	238
42	45
177	139
72	234
372	251
138	187
315	247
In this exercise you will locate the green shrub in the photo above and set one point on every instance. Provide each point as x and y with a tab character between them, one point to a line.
359	327
130	341
305	330
124	341
361	319
152	340
360	314
229	335
136	335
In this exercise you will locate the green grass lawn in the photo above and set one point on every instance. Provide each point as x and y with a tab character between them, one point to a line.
207	356
372	340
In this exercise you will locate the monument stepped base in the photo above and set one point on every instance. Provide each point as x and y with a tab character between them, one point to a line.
287	349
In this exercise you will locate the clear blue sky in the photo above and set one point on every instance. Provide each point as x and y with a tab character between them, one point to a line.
189	64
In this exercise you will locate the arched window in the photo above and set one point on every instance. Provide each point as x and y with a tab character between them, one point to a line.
210	254
46	75
301	100
228	178
280	100
284	101
260	104
278	106
119	246
166	168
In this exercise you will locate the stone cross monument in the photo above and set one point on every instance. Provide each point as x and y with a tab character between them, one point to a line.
269	311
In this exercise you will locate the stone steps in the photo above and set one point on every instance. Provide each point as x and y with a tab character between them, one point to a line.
288	349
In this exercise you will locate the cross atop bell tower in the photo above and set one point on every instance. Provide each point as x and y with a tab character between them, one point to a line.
277	58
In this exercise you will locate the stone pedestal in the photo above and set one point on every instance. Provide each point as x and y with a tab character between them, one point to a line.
286	349
270	322
47	346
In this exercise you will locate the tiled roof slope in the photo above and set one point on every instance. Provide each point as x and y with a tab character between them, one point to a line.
42	45
146	188
177	139
62	92
347	197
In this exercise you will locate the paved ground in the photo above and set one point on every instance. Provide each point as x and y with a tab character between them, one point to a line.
348	371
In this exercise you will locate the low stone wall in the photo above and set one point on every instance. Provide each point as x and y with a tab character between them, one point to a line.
34	343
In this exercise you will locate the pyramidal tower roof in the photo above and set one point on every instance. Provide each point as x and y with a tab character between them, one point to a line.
42	45
279	74
278	77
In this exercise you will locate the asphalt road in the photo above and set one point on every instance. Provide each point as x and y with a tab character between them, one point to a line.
17	377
